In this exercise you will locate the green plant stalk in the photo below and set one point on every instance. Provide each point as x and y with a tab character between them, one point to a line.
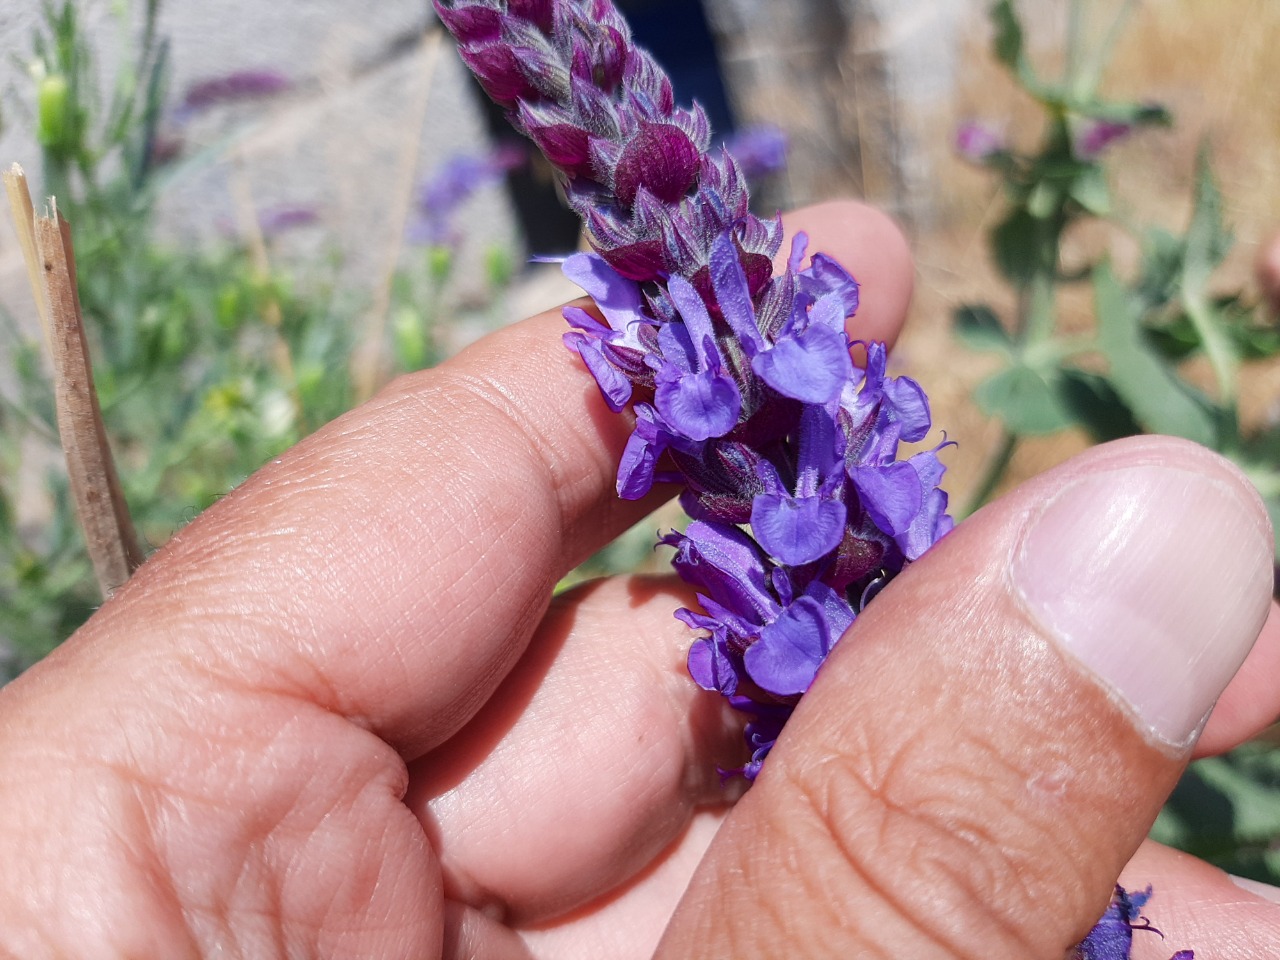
1225	364
1033	335
1086	84
996	467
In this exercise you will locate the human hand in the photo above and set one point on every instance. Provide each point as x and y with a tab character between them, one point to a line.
339	715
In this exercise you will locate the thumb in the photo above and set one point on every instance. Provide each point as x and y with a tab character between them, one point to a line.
990	742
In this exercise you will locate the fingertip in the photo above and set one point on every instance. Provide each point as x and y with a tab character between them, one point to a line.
872	247
1251	701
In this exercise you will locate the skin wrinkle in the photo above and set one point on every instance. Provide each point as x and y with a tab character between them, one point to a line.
800	793
142	852
488	392
838	787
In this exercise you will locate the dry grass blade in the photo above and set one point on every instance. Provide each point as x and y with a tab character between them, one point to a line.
368	362
104	515
24	220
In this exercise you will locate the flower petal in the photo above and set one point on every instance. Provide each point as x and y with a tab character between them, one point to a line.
710	668
614	386
786	658
699	405
797	531
891	493
811	367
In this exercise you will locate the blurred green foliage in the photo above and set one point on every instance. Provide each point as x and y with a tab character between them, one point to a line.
1126	375
206	365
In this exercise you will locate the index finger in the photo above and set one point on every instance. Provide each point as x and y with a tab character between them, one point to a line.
393	566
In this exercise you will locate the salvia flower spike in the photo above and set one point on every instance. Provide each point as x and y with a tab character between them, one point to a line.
741	379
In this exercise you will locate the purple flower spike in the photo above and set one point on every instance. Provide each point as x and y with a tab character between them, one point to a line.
759	150
232	88
740	377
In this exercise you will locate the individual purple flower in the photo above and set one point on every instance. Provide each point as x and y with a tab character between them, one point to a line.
805	524
807	358
1093	136
651	438
693	391
1112	938
977	142
761	628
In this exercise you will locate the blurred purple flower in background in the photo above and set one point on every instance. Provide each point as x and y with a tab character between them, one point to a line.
232	88
282	218
977	142
452	184
1094	136
759	150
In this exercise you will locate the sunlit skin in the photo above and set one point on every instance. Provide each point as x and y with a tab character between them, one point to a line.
340	715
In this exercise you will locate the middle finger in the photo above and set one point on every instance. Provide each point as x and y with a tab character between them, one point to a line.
586	764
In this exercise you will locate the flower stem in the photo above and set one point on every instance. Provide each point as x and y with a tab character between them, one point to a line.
997	464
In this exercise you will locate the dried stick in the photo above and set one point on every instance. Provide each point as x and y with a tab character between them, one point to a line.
95	486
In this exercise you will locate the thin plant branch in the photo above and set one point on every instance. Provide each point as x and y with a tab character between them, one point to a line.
95	486
369	359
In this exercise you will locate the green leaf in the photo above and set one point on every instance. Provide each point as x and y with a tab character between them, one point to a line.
1227	810
1160	401
978	328
1175	340
1090	190
1015	246
1007	43
1021	398
1137	114
1095	405
1207	240
1162	255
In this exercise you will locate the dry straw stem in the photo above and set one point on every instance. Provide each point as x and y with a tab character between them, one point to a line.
368	363
24	218
95	486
